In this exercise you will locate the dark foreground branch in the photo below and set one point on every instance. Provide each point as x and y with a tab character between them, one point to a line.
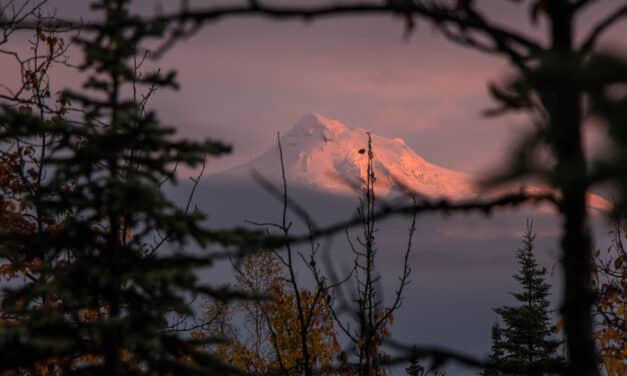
439	357
189	20
445	207
249	241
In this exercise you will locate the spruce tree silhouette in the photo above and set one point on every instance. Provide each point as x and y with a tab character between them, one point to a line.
525	342
104	304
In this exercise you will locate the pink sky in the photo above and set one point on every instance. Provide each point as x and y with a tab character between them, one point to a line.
245	79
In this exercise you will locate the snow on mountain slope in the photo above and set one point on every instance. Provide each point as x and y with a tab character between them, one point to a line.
323	154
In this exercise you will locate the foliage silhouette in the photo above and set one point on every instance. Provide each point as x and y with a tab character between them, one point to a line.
525	341
100	298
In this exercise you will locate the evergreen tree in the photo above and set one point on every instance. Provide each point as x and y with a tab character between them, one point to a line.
106	291
414	369
496	351
525	344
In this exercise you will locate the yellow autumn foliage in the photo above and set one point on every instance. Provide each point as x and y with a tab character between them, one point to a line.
264	336
610	279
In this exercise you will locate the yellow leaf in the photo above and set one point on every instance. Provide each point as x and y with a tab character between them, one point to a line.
559	326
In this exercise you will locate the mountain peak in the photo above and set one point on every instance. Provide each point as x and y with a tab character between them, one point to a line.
323	154
314	124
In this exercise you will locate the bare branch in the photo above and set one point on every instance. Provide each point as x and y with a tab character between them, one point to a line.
597	31
442	206
189	20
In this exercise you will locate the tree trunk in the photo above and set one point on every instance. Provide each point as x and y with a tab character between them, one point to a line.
564	105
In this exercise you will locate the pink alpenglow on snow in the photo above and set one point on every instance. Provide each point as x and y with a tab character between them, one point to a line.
323	154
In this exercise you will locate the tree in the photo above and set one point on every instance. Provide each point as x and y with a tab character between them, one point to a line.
524	344
268	335
103	264
23	173
610	279
307	305
293	330
415	369
497	351
372	317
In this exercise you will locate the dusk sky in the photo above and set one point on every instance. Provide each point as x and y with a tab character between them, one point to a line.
244	79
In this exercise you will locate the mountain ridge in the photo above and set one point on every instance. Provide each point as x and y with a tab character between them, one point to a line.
323	154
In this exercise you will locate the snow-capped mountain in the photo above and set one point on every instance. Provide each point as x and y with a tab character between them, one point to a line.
324	154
